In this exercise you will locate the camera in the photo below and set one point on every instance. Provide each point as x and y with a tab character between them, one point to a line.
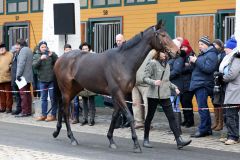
46	52
217	82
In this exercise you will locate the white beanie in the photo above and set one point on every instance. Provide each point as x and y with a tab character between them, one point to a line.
177	43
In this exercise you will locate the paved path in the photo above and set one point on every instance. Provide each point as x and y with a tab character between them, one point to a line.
158	134
28	142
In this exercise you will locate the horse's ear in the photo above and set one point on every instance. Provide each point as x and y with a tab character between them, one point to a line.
160	24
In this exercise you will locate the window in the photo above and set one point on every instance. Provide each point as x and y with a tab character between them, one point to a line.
84	3
137	2
36	5
105	3
17	6
1	7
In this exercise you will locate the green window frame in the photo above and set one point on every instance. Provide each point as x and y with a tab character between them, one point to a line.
39	7
1	7
139	2
84	2
107	3
17	4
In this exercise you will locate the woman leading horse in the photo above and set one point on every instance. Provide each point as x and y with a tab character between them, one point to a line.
110	73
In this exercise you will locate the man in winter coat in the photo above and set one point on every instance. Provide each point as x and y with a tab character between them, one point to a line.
44	62
24	69
6	99
202	83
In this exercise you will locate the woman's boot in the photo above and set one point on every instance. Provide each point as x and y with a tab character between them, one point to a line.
216	118
181	142
220	120
146	143
178	119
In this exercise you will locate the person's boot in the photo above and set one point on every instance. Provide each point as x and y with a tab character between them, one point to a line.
84	122
92	122
216	119
220	120
178	119
181	142
146	143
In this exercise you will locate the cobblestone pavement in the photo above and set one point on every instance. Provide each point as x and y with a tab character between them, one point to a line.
16	153
103	117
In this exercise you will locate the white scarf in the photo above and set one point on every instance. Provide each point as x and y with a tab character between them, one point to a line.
226	60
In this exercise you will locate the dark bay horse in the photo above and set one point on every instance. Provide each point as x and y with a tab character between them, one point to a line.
110	73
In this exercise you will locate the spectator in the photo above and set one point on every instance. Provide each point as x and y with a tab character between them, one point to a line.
186	95
15	88
6	99
139	94
157	74
24	69
218	93
176	68
232	96
87	96
119	40
44	62
202	83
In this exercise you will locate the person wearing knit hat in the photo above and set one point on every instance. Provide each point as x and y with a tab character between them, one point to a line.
231	43
177	43
231	75
41	43
43	62
202	83
205	40
186	47
187	95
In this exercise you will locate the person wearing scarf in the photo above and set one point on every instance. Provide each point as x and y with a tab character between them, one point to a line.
231	75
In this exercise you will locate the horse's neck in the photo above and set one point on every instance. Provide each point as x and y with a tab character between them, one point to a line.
137	54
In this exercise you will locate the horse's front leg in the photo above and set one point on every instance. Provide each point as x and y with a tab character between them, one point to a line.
120	102
115	116
130	119
66	119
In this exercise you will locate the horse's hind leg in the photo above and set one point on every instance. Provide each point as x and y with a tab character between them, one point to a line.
59	123
111	128
66	119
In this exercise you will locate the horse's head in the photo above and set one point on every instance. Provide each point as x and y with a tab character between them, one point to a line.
162	41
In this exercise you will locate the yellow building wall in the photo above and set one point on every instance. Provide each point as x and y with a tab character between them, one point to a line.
34	19
138	17
135	18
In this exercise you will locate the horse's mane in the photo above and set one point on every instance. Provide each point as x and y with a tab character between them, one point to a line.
132	42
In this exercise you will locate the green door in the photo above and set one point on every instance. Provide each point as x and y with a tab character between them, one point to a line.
169	21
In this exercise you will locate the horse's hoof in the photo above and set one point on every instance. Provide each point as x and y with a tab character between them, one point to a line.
74	143
55	134
112	146
137	150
